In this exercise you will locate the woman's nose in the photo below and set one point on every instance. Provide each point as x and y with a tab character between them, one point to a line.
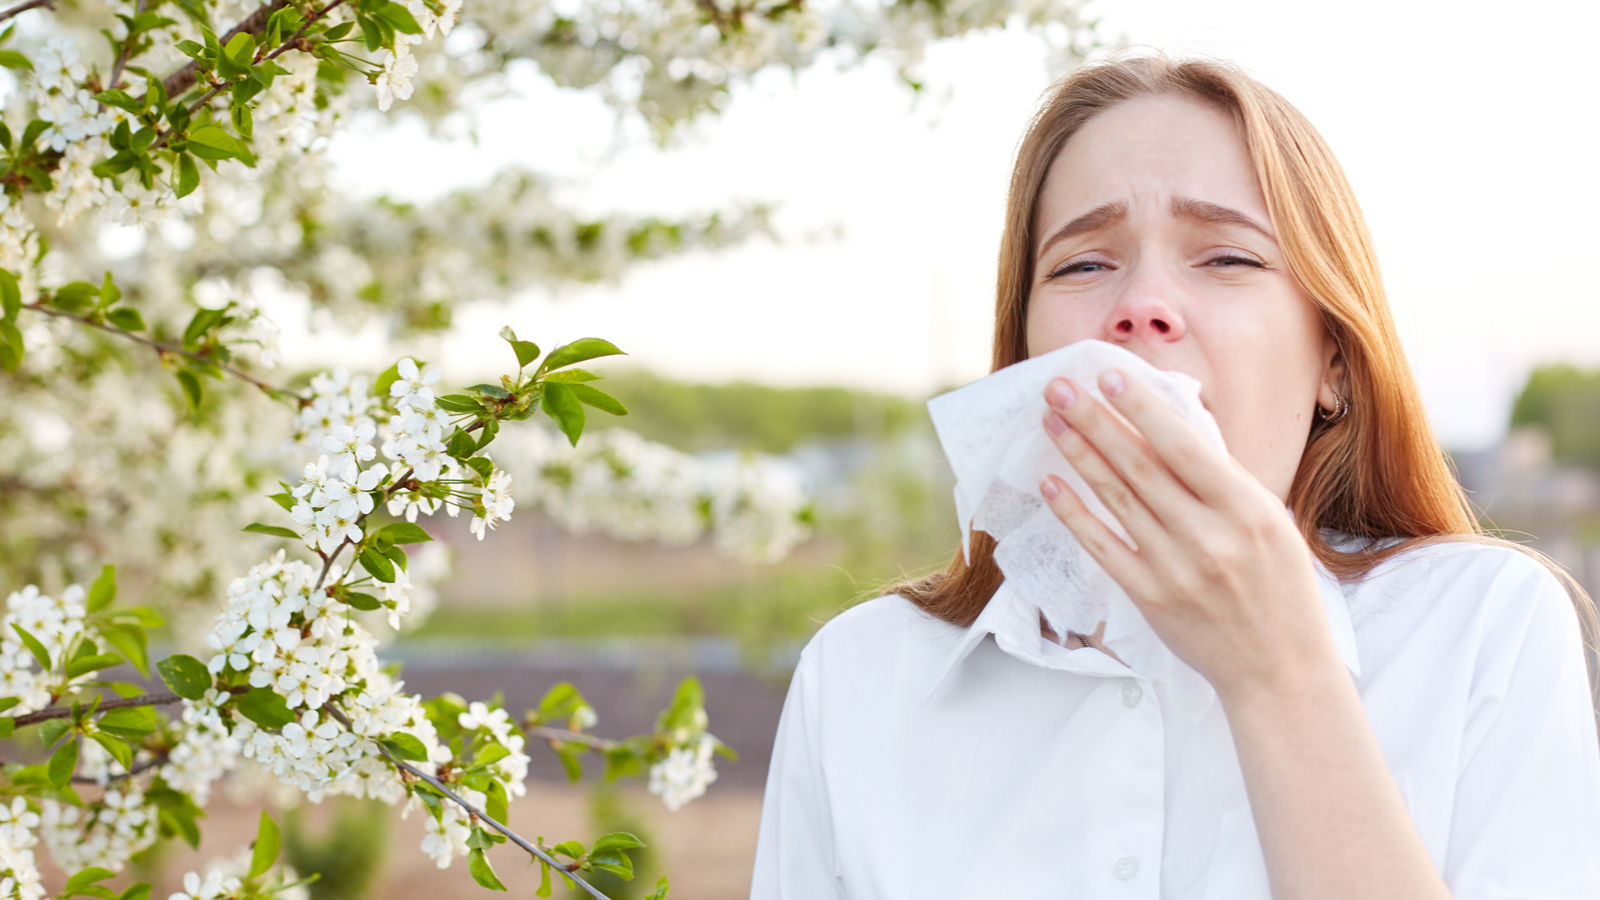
1144	313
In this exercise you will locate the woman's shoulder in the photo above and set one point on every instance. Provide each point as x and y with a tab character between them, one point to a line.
881	631
1461	574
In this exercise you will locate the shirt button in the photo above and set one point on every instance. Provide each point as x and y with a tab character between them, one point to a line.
1131	694
1125	868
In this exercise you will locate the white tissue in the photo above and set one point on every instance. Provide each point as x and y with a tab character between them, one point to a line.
993	435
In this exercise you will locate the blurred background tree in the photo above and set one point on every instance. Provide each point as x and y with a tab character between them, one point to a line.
1563	402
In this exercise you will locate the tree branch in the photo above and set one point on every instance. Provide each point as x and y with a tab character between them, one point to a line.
61	712
24	7
122	54
473	810
165	349
184	78
571	737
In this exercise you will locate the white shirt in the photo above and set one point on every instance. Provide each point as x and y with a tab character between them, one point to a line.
918	759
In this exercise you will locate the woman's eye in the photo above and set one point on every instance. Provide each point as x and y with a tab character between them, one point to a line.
1083	266
1075	267
1239	259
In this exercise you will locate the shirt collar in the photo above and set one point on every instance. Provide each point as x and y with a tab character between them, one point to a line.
1007	614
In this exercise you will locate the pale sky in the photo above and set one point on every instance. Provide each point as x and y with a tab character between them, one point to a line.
1468	134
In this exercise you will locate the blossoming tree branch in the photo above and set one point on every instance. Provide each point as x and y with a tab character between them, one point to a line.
163	169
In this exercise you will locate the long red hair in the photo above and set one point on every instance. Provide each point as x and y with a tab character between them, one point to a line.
1378	471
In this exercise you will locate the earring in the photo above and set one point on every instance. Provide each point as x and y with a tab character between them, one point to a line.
1341	407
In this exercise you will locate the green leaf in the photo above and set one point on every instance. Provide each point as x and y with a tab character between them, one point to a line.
11	59
544	880
403	533
395	553
140	891
11	350
188	175
406	747
264	707
126	319
10	295
109	293
130	642
53	730
40	654
266	850
376	565
387	379
239	114
94	663
201	322
598	399
615	841
86	877
400	19
8	702
104	589
561	404
660	891
131	722
75	296
457	403
117	747
572	376
576	352
63	763
364	602
497	804
526	351
461	444
241	49
482	872
573	849
191	388
32	131
120	100
491	390
211	142
274	530
187	676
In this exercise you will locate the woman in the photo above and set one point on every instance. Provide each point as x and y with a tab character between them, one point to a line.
1429	735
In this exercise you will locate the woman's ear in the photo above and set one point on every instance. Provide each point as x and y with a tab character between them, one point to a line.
1334	377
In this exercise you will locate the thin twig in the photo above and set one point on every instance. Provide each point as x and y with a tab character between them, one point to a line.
24	7
571	737
122	55
162	349
473	810
61	712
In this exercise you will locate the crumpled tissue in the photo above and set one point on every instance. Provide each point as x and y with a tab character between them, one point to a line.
993	435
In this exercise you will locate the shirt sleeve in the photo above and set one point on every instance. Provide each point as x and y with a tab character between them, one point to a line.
795	847
1526	823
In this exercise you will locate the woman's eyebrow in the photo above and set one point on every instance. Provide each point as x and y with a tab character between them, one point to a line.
1107	214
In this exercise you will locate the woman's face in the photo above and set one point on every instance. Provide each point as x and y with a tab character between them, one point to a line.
1146	241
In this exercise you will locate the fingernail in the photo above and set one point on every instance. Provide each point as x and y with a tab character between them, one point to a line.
1060	394
1111	383
1055	424
1048	487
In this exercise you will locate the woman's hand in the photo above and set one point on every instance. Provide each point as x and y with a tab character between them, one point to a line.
1221	572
